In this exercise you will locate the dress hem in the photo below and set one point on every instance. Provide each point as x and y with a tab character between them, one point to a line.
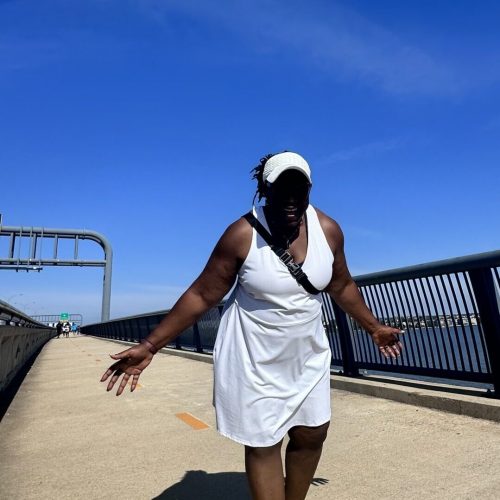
247	443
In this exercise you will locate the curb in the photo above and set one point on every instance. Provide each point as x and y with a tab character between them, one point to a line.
440	397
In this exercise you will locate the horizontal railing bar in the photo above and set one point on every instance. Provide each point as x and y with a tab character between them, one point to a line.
163	312
459	264
52	262
23	231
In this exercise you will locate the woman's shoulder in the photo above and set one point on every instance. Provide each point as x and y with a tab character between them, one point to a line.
330	227
237	238
240	228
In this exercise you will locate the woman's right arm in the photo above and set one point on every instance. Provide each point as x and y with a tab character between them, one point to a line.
207	291
209	288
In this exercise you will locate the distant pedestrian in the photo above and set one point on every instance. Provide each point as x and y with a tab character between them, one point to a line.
74	328
66	328
59	329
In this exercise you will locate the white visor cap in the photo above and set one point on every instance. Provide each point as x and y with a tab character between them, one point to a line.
277	164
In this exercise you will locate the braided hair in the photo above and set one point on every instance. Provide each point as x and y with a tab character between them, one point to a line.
257	174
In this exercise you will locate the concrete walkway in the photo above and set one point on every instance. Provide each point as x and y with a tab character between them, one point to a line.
64	437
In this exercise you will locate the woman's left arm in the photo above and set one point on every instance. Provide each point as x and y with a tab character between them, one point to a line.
346	294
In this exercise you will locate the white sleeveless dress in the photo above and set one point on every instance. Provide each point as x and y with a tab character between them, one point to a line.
271	355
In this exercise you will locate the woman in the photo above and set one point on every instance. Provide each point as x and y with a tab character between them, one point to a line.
271	357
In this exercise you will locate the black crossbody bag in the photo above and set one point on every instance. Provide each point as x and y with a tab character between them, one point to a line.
284	255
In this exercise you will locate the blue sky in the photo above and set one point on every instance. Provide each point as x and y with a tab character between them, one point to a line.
142	119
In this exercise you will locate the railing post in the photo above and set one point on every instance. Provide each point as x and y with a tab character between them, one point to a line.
197	338
137	331
487	305
348	362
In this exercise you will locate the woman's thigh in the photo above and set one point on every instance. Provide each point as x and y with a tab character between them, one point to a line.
263	451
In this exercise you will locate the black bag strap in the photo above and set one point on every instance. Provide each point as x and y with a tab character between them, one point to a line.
284	255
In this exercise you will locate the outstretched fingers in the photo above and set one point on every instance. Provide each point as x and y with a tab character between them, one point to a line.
383	350
129	363
123	383
125	373
135	380
395	349
110	370
392	350
388	351
106	375
114	379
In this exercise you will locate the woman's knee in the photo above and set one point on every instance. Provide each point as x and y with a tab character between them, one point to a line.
262	452
308	437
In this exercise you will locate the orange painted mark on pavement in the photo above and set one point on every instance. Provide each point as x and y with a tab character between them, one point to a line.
195	423
138	386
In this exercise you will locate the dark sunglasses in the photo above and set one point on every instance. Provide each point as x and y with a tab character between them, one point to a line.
284	189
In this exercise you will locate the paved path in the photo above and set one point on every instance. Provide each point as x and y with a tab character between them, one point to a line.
64	437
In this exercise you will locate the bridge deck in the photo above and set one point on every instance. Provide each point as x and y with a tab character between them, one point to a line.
65	437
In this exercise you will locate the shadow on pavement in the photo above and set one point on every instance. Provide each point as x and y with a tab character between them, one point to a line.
200	484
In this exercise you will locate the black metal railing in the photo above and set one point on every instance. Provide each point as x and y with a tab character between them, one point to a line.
449	310
10	316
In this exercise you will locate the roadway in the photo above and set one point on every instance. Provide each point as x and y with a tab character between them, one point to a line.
64	437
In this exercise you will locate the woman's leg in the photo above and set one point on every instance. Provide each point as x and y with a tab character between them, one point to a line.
265	472
302	457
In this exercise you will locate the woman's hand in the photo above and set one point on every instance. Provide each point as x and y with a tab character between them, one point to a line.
131	363
387	340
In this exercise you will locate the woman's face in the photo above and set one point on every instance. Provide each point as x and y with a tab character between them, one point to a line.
288	198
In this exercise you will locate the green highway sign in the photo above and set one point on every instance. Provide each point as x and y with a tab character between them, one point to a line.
64	316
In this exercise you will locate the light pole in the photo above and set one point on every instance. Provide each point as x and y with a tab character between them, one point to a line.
12	296
26	306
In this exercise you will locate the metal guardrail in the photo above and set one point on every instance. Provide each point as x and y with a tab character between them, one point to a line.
20	338
200	337
449	310
10	316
